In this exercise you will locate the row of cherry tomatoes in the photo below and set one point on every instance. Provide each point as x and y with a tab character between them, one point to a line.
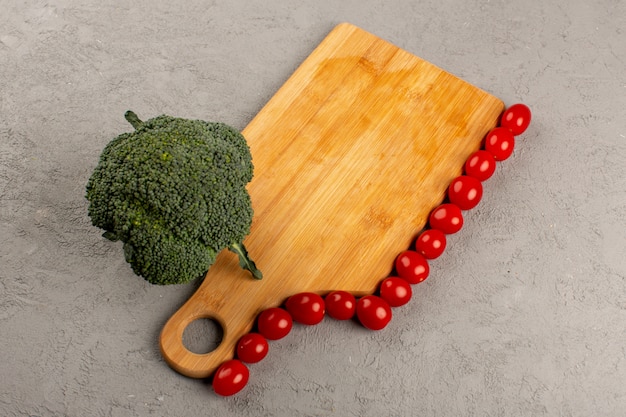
411	266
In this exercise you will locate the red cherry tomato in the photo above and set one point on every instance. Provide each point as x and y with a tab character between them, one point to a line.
230	378
252	348
340	305
306	308
412	267
447	218
516	118
465	192
480	165
373	312
431	243
274	323
500	143
396	291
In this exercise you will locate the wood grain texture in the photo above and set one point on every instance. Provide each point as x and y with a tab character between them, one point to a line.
351	155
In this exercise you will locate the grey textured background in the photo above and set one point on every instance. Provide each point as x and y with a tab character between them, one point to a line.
524	315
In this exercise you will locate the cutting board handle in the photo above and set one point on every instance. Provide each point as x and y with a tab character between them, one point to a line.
214	300
182	359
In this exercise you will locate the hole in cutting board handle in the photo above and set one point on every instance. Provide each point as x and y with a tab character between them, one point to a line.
203	335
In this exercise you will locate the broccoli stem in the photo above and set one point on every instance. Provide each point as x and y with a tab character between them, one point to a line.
244	260
133	119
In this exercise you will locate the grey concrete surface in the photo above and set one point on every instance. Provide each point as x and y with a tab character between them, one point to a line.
524	315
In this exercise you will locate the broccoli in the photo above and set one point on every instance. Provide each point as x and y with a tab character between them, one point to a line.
174	192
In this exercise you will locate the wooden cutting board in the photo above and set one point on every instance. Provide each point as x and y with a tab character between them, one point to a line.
350	155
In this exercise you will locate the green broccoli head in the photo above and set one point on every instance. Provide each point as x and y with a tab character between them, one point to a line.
174	191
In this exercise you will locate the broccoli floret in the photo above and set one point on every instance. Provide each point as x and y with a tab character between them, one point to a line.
174	191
